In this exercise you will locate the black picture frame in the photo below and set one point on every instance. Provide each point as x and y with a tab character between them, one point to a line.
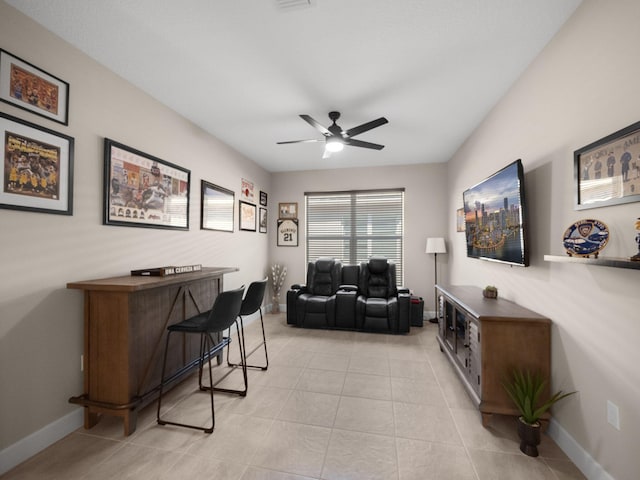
30	88
607	171
262	221
247	212
141	190
263	198
217	207
37	173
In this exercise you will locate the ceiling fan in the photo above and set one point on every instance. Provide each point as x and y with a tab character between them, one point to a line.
336	138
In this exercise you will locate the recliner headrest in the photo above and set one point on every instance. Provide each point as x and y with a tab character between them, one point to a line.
377	265
324	264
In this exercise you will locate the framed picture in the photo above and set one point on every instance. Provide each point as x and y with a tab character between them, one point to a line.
38	168
28	87
288	210
141	190
246	189
460	225
217	207
263	220
247	216
607	172
287	232
263	198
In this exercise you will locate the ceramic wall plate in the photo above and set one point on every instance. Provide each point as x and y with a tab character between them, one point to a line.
585	238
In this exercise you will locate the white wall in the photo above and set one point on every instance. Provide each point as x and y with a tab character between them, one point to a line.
41	325
425	215
582	87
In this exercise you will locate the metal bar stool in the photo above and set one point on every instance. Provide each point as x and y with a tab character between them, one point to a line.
252	303
222	315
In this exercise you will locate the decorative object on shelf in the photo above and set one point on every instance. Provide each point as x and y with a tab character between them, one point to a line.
288	232
166	271
217	207
636	257
141	190
246	190
585	238
607	171
278	274
490	292
263	198
435	245
263	220
288	210
38	168
247	216
26	86
525	389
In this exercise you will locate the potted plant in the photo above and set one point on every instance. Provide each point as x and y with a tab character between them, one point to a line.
490	292
525	389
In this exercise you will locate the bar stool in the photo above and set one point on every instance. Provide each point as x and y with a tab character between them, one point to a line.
222	315
252	303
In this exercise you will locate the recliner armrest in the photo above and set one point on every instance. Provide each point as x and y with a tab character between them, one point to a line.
348	288
403	290
298	286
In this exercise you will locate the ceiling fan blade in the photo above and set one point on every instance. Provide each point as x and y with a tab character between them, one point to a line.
315	125
326	154
301	141
360	143
352	132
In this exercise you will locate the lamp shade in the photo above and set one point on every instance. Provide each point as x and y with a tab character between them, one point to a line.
436	245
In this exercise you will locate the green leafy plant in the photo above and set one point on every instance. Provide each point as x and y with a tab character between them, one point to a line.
525	389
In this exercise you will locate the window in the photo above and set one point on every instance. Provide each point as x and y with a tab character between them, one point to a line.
354	226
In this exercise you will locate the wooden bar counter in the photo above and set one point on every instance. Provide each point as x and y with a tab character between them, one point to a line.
125	328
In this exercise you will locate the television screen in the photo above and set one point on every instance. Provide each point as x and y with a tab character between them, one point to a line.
495	218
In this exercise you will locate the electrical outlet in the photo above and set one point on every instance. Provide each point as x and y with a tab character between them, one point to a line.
613	415
82	363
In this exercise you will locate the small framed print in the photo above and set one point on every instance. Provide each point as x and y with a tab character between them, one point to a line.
247	216
28	87
246	190
263	220
263	198
38	168
217	207
287	232
288	210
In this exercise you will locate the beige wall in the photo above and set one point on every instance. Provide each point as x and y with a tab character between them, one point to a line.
41	326
582	87
425	215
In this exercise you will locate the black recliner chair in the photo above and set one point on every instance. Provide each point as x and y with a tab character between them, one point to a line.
313	305
381	306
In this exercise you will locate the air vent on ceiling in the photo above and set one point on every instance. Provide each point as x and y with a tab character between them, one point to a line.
292	4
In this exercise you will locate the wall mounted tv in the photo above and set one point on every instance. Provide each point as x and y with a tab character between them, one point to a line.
495	217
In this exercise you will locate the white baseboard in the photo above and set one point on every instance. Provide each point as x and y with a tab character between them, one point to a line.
578	455
20	451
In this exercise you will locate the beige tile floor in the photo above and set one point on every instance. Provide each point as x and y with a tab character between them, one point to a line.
332	405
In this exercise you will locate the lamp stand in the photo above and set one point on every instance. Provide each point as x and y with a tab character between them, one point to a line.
435	295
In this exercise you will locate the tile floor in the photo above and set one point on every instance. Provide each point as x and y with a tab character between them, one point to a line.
333	405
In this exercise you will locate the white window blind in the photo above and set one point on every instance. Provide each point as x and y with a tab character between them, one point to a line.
356	225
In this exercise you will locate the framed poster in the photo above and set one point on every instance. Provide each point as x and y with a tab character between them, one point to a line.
287	232
288	210
247	216
37	173
246	189
141	190
263	220
263	198
607	171
217	207
28	87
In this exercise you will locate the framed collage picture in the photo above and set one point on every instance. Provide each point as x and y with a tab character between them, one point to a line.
38	168
141	190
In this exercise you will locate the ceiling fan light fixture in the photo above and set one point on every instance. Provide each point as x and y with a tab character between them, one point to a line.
334	145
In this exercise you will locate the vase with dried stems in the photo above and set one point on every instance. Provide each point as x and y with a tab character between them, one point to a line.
278	274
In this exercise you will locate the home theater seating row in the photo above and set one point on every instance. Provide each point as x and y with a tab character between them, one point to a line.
354	297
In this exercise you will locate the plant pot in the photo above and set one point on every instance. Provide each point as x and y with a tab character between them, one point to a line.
529	437
490	293
275	306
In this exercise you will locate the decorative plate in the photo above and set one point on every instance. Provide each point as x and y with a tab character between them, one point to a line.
585	238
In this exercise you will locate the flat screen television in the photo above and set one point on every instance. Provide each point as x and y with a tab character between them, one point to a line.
495	217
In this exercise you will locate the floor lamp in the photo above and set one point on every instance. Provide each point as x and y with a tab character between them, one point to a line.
435	245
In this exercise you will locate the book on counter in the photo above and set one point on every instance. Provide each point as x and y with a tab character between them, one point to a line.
165	271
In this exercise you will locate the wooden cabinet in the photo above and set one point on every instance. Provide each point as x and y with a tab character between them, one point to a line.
125	328
485	339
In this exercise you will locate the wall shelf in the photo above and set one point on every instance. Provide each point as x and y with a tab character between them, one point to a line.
617	262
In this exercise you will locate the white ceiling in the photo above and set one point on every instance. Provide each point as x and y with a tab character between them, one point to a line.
244	70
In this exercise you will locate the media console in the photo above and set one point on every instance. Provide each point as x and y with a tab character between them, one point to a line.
485	339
